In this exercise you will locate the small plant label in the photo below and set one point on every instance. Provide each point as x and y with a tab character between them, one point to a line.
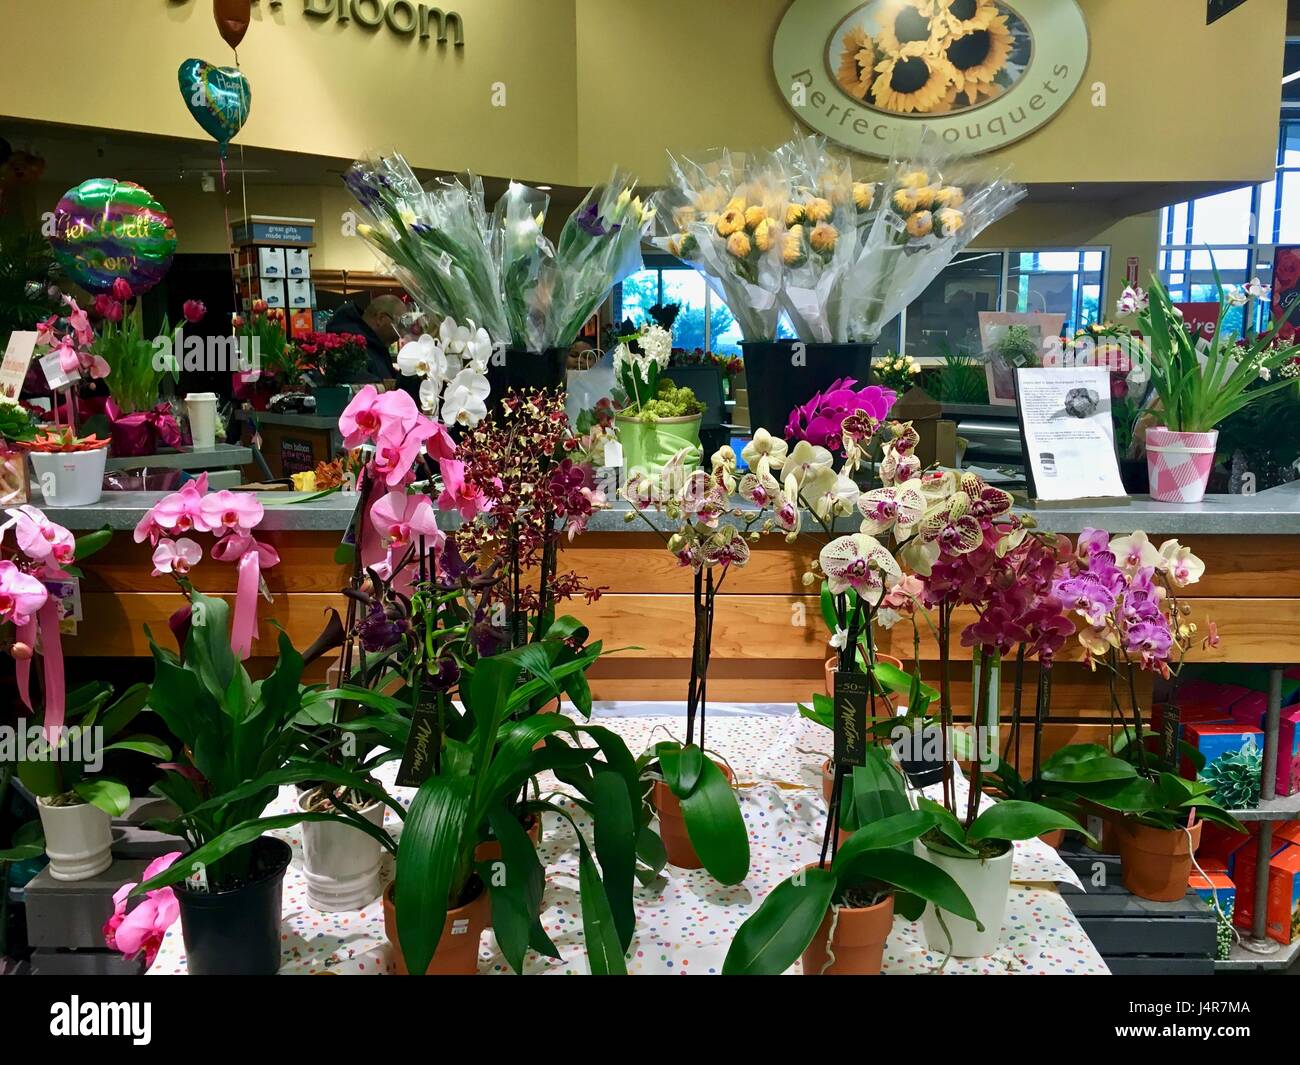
852	691
421	746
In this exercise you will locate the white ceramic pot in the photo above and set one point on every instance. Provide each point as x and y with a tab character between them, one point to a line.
78	840
70	478
340	863
986	884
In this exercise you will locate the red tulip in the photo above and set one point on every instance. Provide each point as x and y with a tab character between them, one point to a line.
195	311
122	289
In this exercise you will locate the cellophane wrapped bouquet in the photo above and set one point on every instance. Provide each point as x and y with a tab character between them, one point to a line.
828	217
930	208
726	219
497	270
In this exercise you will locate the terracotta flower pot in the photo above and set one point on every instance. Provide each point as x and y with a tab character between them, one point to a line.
457	953
828	780
857	944
1104	825
672	825
1156	862
832	664
1054	839
490	850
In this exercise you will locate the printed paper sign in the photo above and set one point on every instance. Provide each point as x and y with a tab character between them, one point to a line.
18	357
1069	436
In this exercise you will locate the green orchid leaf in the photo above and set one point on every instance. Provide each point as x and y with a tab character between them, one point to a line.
779	931
1014	819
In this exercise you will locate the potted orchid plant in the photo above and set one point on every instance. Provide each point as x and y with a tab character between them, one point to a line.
1201	381
1126	592
657	419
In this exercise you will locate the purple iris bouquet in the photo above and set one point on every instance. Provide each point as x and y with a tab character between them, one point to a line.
820	421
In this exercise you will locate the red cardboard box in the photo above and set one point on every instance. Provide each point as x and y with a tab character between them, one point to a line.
1283	830
1219	846
1243	876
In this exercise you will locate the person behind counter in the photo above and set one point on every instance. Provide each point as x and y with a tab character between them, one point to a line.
379	325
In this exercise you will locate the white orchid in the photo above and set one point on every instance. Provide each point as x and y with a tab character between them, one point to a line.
466	400
764	452
1135	552
1180	565
902	506
804	459
861	563
478	349
1131	301
1255	289
454	336
423	357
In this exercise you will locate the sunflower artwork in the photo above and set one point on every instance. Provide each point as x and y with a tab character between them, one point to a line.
929	57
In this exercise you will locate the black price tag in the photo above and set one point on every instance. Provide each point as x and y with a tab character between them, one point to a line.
422	746
852	690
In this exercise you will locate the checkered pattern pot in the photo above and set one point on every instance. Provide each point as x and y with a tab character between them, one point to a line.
1179	464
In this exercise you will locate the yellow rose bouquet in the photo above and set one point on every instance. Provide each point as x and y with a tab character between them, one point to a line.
931	208
728	222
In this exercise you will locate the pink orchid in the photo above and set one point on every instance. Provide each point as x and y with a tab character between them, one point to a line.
42	540
234	547
456	494
231	512
143	928
45	331
79	321
396	450
372	413
176	556
399	518
180	512
21	595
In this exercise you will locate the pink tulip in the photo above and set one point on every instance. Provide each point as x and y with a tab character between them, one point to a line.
399	518
231	512
456	494
21	595
176	556
195	311
42	540
145	926
122	289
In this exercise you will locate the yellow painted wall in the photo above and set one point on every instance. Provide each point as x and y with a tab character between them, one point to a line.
593	82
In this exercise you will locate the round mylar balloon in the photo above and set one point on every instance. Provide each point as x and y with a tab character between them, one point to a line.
105	229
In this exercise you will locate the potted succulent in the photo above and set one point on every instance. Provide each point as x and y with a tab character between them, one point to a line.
657	418
335	360
69	468
1201	381
242	739
62	768
837	916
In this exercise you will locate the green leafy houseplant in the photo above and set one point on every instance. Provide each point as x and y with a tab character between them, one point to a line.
1203	381
139	364
487	758
243	739
877	862
66	772
1165	801
960	379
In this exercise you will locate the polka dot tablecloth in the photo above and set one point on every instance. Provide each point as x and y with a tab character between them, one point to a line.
686	920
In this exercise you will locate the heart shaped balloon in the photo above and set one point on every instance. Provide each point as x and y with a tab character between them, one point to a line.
219	98
105	229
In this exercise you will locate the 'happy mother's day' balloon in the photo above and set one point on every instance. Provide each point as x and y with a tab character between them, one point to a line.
105	229
219	98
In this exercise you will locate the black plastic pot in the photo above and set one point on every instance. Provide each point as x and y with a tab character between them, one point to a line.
922	772
237	932
527	369
784	374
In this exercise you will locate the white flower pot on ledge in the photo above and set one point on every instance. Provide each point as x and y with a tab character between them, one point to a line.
78	840
987	884
341	863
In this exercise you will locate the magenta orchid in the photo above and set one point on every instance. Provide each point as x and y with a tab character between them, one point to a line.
821	420
21	595
142	929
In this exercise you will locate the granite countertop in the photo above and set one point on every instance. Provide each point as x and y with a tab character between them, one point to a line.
1276	511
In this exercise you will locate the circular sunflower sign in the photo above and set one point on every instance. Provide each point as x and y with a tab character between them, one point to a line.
979	73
